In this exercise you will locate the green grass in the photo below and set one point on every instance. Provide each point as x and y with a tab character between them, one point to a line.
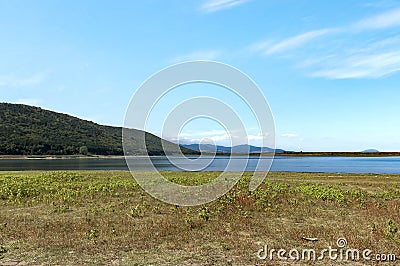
105	218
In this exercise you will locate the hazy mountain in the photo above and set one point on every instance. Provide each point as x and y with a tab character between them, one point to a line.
207	148
28	130
370	150
244	148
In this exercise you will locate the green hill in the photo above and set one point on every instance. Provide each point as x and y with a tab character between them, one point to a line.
28	130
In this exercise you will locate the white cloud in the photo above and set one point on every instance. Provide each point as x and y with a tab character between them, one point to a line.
257	137
345	56
209	136
362	66
198	55
384	20
289	135
14	81
220	137
216	5
294	42
374	60
29	101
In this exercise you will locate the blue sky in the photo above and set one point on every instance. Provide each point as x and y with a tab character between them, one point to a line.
330	70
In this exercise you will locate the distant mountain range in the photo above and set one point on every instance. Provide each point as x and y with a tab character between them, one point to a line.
244	148
28	130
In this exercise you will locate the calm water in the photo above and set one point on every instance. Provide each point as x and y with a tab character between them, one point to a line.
385	165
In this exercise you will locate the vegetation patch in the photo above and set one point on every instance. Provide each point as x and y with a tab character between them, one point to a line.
105	217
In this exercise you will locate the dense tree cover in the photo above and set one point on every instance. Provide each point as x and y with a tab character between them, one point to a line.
28	130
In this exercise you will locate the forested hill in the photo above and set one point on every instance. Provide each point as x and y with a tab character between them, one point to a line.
28	130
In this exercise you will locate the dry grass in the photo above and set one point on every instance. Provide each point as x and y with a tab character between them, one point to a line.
105	218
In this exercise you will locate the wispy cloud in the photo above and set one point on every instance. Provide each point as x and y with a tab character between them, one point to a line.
257	137
384	20
353	55
362	66
216	5
269	48
373	60
14	81
198	55
219	137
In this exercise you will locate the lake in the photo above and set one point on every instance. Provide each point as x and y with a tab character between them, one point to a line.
377	165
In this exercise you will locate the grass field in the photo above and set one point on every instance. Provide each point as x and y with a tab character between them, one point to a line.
105	218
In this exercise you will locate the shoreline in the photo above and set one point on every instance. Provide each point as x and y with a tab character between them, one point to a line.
168	172
285	154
